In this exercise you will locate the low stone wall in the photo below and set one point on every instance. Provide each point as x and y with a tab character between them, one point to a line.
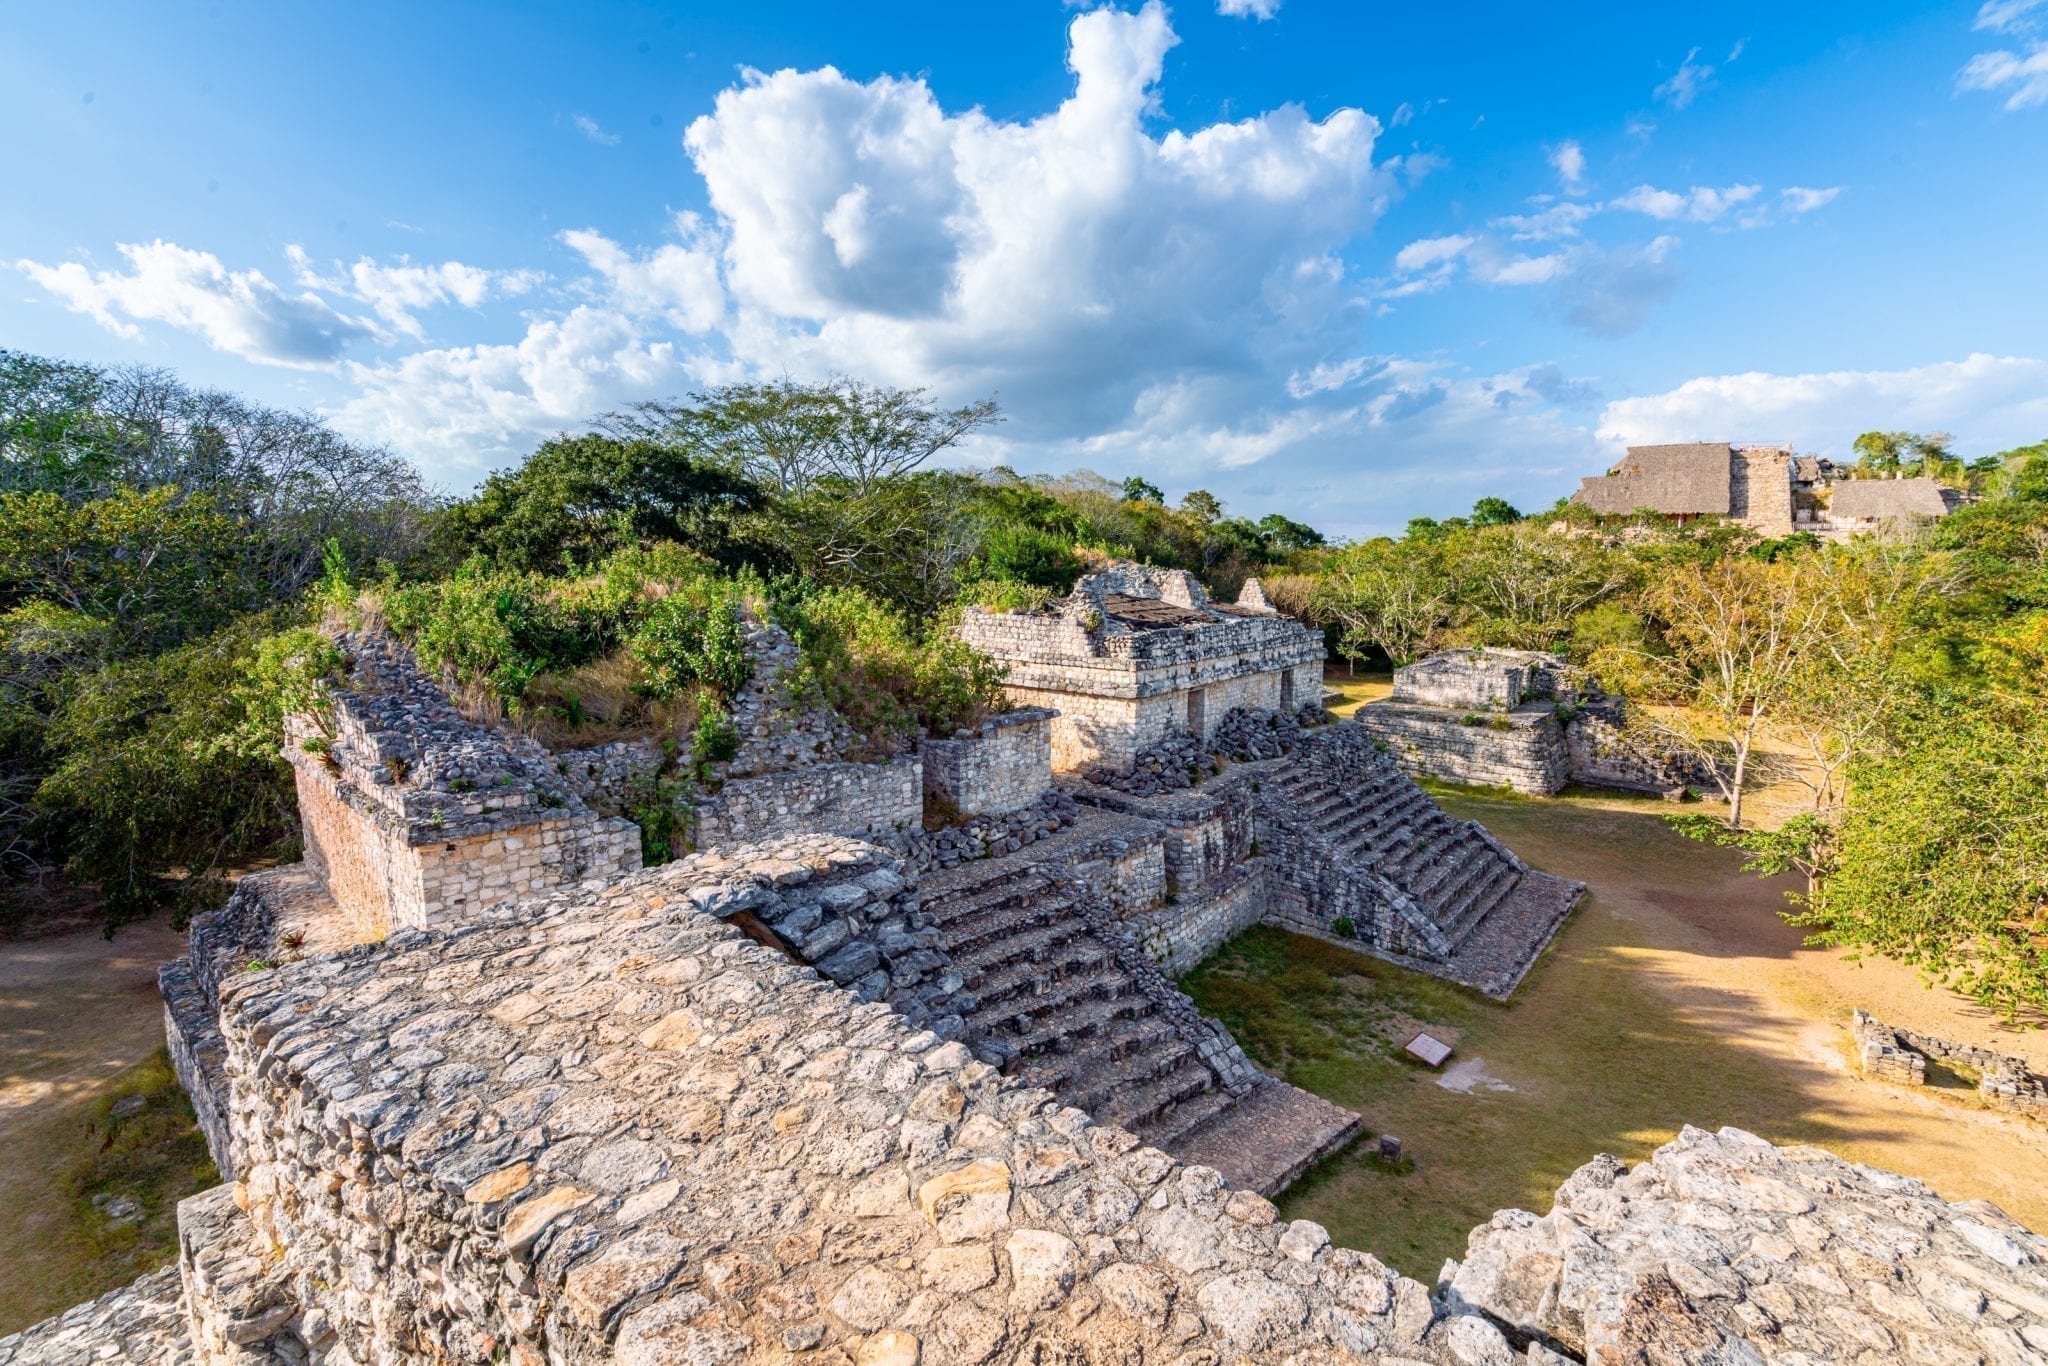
1189	927
881	800
1127	867
1003	766
141	1324
1603	754
239	1309
1209	830
1900	1056
1724	1249
608	1127
1523	750
198	1056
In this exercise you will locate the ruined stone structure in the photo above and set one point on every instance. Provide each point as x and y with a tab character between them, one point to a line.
1900	1056
1506	718
1135	654
926	1097
412	813
1723	1248
1765	487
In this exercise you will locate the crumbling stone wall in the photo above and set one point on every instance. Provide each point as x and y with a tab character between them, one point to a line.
1004	765
1900	1056
883	800
607	1126
1723	1248
412	813
1523	750
1209	830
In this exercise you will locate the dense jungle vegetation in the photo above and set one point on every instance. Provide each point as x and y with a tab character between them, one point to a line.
164	550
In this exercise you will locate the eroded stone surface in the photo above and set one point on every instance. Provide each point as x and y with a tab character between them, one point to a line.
1724	1248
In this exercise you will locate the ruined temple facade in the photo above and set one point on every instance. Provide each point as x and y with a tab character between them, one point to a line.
1135	654
1508	718
485	1090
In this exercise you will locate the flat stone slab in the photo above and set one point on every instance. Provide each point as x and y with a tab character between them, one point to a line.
1268	1139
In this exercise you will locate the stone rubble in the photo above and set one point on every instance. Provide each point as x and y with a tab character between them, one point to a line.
1723	1249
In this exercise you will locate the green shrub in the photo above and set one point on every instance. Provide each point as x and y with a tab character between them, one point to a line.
1015	553
501	630
1006	595
869	664
715	740
1343	925
693	637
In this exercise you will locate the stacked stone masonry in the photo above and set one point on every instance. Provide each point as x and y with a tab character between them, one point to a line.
1135	654
881	800
1724	1249
1004	765
411	813
1900	1056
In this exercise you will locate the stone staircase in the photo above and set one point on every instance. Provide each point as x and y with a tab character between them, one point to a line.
1071	1003
1471	903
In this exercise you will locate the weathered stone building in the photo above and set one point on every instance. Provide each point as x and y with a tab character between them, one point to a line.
1135	654
917	1098
1506	718
1764	487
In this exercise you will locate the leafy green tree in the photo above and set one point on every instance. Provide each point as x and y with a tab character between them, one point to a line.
1492	511
1283	534
1138	489
1391	596
1023	554
1203	506
579	499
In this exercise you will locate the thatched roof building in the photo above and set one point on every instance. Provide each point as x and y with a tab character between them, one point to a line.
1869	501
1691	479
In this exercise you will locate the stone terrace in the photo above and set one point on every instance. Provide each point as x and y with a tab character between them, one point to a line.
607	1126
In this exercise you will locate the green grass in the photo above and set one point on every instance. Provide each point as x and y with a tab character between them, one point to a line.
156	1156
1598	1058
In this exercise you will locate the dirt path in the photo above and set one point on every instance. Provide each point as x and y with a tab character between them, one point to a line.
1675	995
76	1012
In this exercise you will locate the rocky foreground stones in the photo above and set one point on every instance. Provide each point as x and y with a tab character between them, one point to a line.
1724	1248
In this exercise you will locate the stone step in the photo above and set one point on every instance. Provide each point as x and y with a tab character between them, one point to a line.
968	936
1084	959
1487	895
1138	1043
1190	1117
1063	1020
1141	1108
1091	1080
943	906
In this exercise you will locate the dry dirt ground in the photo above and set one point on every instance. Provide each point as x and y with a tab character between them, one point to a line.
80	1020
1676	994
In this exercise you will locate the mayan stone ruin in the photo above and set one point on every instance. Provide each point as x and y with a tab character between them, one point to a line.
1765	487
836	1087
1507	718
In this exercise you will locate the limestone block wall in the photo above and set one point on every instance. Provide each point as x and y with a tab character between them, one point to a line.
1308	891
1459	679
883	800
1127	867
1005	765
1209	830
1524	750
1089	730
360	852
1723	1248
607	1126
1900	1056
1180	933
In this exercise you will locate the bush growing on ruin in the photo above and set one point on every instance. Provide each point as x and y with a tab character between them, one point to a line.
887	678
693	637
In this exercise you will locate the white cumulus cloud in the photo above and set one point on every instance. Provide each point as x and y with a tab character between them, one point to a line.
1989	402
240	312
397	292
677	281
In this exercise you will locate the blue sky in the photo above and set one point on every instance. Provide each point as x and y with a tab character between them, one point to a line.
1349	262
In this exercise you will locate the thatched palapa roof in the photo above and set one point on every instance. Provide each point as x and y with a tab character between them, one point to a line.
1691	478
1878	500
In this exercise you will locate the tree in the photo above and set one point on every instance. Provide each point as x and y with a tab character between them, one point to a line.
1203	506
790	437
1737	635
1138	489
1522	585
1494	512
1386	595
1884	454
579	499
1942	860
1283	534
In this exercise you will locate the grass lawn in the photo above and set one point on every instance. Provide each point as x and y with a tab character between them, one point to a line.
1674	995
1355	690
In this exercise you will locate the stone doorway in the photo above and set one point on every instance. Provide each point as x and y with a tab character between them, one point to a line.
1197	711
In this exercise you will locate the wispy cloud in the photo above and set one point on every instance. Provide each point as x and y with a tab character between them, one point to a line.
1261	10
594	130
1801	199
1686	83
1700	204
